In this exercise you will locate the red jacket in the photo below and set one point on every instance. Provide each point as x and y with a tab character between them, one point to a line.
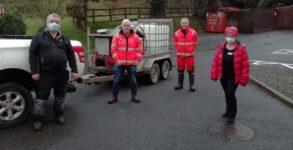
241	64
126	50
185	46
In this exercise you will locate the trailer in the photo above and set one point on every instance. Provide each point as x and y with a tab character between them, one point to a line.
156	64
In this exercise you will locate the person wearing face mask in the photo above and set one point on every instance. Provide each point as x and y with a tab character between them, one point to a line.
185	42
127	51
49	53
231	66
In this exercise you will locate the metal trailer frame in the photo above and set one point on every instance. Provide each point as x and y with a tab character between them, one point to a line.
156	65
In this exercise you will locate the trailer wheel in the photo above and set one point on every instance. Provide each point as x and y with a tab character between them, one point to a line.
155	73
165	70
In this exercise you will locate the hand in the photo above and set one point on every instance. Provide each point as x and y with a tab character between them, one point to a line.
73	76
118	63
36	76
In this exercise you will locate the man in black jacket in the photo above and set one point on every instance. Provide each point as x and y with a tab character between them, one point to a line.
49	53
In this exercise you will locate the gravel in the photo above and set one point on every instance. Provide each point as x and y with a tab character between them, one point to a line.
277	77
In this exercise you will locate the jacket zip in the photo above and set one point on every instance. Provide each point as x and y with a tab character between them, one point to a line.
54	52
126	48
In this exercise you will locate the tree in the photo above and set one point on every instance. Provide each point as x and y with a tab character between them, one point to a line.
157	8
79	12
39	8
200	7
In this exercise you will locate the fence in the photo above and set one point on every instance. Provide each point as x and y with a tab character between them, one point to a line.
118	14
253	21
285	17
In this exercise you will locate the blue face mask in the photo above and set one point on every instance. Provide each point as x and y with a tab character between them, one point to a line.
54	27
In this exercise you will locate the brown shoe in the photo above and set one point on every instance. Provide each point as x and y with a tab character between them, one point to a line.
114	100
60	120
134	98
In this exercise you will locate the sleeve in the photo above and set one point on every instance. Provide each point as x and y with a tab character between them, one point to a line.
71	56
245	68
195	40
114	48
140	51
33	55
175	40
214	69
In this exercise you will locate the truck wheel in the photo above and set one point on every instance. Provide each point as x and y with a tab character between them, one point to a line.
155	73
165	70
15	104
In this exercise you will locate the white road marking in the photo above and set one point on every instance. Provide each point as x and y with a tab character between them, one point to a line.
284	52
260	62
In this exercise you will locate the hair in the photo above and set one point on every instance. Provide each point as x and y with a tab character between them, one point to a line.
184	18
125	20
53	15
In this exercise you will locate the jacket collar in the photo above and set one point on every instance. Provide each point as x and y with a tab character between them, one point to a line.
225	43
187	29
59	34
131	32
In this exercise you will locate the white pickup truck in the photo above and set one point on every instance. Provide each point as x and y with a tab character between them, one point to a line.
16	84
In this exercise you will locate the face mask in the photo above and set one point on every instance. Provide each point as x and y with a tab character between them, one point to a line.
230	40
54	27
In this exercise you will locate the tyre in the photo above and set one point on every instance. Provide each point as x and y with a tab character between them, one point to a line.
165	70
16	104
154	75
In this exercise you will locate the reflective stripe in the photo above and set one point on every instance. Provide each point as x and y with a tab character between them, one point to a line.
139	54
185	43
185	54
115	55
128	61
113	46
130	49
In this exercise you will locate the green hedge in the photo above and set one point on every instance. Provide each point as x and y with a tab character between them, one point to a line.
12	23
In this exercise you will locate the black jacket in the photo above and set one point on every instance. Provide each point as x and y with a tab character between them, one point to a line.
48	54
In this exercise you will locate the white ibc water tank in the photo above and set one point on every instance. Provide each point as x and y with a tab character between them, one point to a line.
157	37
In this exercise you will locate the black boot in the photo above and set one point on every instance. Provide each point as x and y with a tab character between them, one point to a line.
60	120
37	124
180	81
134	98
191	82
114	100
225	115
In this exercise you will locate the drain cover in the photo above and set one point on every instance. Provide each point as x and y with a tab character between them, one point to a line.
232	132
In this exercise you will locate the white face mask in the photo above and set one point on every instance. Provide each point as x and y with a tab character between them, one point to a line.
230	40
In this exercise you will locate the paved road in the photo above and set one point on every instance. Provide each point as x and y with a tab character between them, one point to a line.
165	120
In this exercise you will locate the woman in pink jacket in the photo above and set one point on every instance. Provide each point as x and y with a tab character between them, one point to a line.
231	66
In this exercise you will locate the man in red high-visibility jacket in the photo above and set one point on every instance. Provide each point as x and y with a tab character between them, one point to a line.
127	52
185	41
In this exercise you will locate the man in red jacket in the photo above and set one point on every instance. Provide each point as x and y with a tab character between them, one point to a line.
127	52
185	41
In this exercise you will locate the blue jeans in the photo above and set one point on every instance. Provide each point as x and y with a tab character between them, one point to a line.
119	72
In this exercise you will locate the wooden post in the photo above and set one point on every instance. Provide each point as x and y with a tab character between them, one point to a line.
125	13
94	17
110	14
138	13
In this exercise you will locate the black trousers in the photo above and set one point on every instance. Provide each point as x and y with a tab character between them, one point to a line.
229	87
49	80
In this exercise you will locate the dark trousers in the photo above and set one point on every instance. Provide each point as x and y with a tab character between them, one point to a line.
229	87
119	72
49	80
